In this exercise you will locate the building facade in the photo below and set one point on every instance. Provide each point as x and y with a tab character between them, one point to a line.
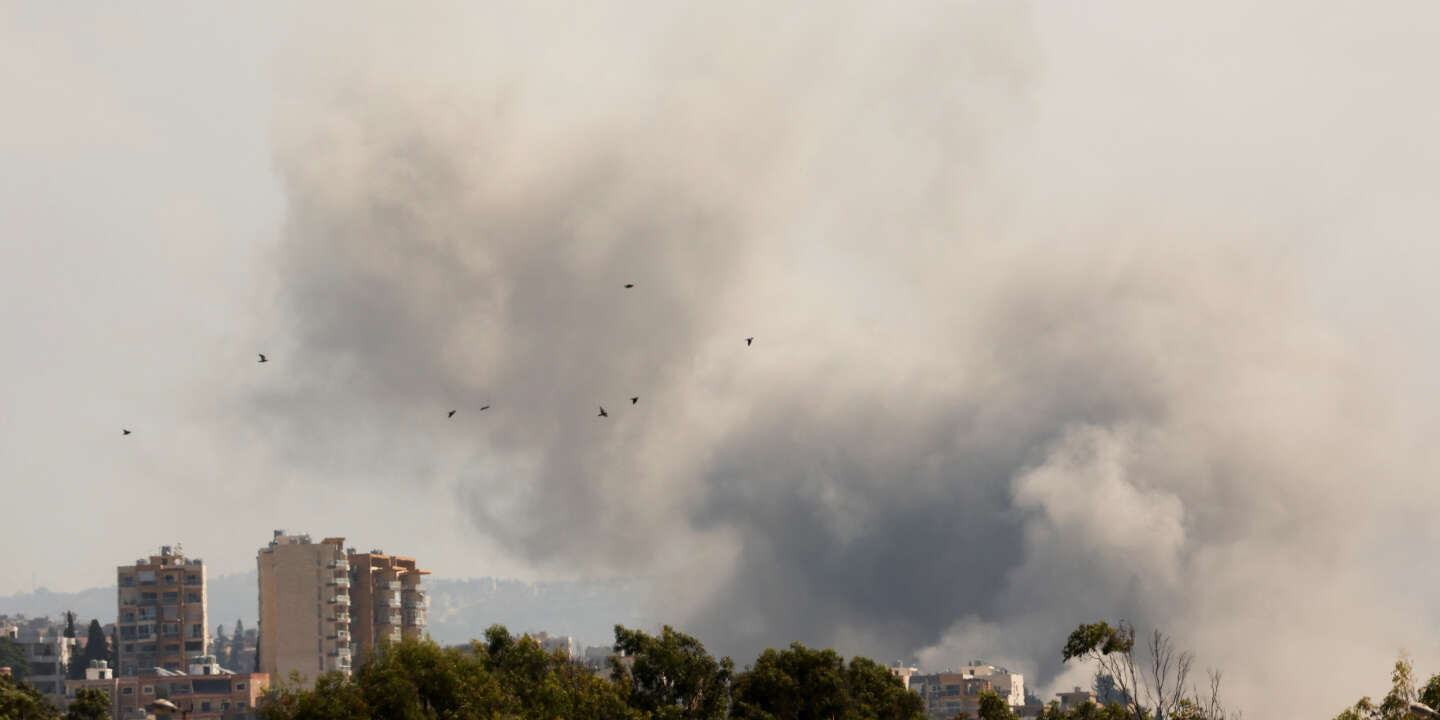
47	650
161	617
1008	685
950	694
204	692
387	599
305	613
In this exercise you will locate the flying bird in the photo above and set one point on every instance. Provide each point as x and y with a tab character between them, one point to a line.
483	408
602	412
634	400
262	357
124	432
629	285
450	414
748	341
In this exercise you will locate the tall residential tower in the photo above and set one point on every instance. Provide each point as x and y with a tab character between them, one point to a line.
161	619
304	607
389	603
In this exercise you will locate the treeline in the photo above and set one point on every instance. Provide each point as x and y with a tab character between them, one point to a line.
664	677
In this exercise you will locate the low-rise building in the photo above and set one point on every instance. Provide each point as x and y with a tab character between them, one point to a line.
205	692
903	672
950	694
1076	698
1010	685
47	650
552	643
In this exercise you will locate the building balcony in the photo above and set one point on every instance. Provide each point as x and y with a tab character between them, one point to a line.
340	600
338	565
391	585
340	652
390	602
415	604
340	581
341	619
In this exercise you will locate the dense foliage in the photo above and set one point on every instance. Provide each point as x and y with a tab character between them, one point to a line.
664	677
20	701
13	657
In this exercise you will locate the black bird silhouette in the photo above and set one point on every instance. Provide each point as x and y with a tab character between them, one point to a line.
123	431
450	414
634	400
602	412
262	357
483	408
748	341
629	285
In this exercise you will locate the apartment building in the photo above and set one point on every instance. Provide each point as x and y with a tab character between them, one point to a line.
47	650
388	601
1009	685
950	694
205	692
161	618
304	606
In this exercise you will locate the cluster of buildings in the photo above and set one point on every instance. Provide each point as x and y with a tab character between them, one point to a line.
323	608
47	648
956	693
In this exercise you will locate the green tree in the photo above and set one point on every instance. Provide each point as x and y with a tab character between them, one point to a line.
1158	685
89	704
69	624
334	697
671	677
994	707
801	683
1396	703
20	701
237	646
96	648
1430	693
875	692
12	655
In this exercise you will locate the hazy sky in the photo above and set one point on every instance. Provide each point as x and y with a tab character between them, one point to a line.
1063	311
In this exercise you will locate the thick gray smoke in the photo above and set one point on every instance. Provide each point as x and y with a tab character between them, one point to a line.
1045	308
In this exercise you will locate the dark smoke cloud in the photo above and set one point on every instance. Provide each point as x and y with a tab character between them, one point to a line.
1029	351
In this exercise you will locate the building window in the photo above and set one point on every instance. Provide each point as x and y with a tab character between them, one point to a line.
148	690
239	686
127	691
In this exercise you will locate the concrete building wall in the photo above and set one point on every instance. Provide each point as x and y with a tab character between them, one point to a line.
199	697
47	650
389	602
304	607
161	617
1008	684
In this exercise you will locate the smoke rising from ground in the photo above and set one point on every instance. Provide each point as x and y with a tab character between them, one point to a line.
1043	301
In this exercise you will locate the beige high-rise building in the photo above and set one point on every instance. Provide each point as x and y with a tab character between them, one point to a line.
389	603
161	620
304	607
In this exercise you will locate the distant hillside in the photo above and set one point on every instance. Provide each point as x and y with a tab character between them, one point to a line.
460	610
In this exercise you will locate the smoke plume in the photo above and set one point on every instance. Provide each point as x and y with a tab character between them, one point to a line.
1049	307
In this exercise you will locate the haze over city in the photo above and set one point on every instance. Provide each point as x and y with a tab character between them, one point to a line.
953	324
